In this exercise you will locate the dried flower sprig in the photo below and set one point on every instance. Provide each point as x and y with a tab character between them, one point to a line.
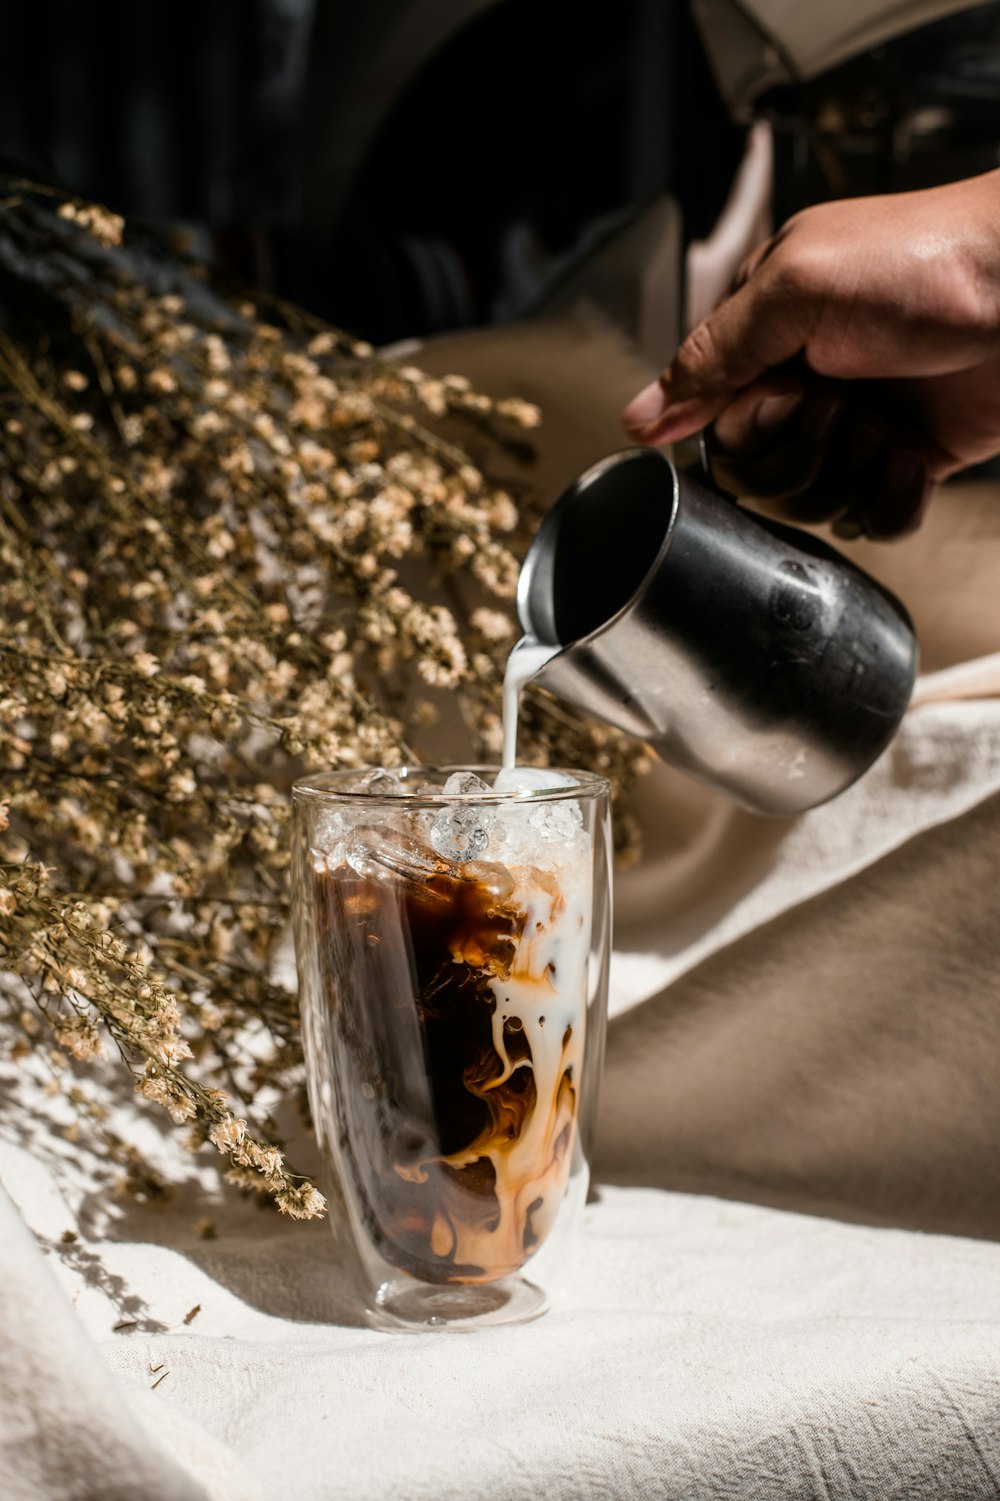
226	539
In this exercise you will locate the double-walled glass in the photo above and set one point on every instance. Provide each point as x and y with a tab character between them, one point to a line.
452	945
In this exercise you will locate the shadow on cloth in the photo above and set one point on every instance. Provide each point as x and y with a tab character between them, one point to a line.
290	1270
299	1270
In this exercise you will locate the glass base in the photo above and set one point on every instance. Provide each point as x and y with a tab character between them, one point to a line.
458	1309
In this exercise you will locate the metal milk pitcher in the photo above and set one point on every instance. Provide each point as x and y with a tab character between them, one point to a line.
746	652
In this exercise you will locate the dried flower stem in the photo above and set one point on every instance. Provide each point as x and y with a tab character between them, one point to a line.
224	530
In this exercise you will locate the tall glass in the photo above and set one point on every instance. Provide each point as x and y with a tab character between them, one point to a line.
452	942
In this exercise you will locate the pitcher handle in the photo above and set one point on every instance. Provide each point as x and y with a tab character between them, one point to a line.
705	467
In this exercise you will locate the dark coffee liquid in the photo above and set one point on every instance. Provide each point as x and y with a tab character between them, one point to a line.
455	1163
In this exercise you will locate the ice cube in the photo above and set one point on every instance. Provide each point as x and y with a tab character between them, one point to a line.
493	878
530	779
331	827
385	851
334	824
556	822
462	832
378	782
465	783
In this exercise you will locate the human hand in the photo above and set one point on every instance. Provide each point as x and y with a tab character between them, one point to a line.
857	360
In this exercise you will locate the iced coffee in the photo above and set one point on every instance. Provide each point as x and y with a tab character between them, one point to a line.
453	943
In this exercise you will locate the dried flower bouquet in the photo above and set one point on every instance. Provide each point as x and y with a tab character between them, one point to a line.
207	509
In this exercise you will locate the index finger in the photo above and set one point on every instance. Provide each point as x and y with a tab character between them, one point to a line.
761	326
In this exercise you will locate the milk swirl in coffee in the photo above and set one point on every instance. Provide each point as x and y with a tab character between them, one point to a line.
454	943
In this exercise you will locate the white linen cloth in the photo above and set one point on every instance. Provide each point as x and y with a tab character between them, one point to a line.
807	1013
703	1350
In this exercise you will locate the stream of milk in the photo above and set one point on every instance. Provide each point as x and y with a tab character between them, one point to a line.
527	657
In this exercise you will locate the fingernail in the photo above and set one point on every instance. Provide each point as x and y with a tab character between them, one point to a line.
774	410
643	410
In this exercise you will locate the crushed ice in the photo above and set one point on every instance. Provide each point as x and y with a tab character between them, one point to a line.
531	831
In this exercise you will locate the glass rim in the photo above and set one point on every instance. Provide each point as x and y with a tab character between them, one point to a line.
328	787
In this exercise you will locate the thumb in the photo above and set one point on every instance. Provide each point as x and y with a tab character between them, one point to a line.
756	329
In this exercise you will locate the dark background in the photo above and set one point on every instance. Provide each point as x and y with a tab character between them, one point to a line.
408	166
